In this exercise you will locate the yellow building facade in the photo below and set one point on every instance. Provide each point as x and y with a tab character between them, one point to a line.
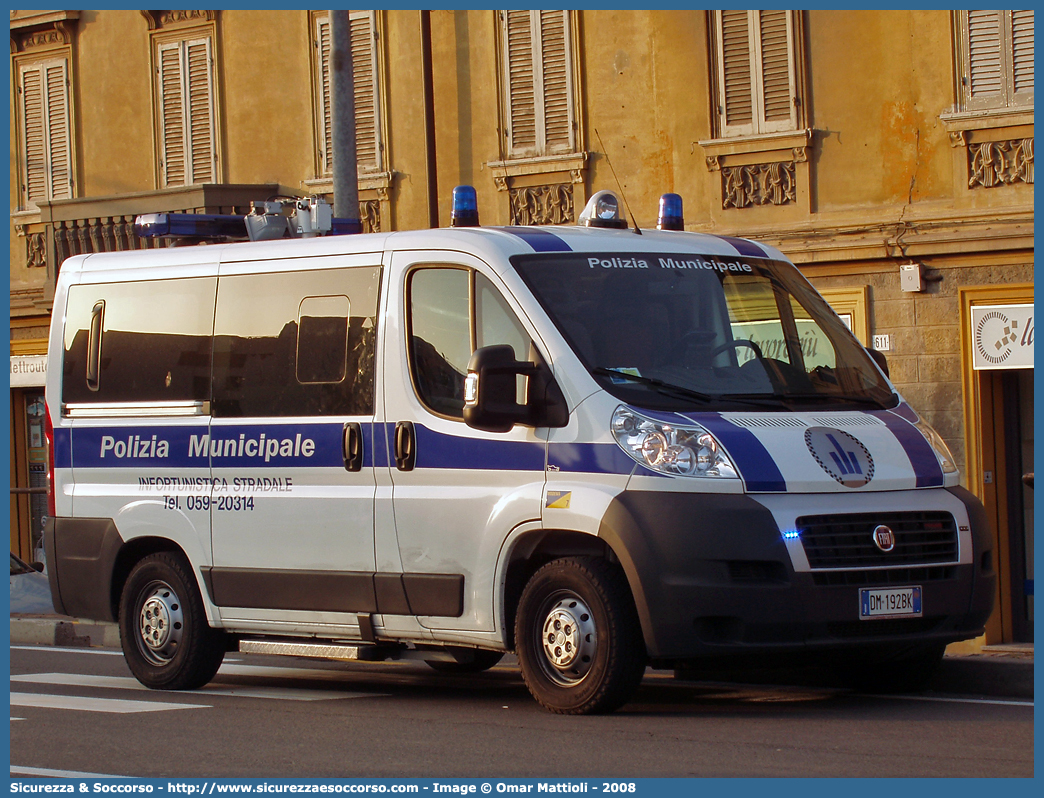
888	153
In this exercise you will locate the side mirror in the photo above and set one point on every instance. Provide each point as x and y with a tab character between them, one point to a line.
490	392
879	358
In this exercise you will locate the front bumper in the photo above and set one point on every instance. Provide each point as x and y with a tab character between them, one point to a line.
713	578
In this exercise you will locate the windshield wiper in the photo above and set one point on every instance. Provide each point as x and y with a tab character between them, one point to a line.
862	399
659	385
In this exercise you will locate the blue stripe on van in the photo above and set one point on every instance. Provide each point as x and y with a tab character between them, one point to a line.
903	410
756	466
925	464
234	446
379	446
590	458
539	240
62	448
745	247
438	450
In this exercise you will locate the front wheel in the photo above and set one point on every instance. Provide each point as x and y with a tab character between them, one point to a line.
578	638
166	639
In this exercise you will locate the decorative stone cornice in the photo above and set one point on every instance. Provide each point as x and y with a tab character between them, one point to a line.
960	125
163	19
572	164
32	30
788	145
377	182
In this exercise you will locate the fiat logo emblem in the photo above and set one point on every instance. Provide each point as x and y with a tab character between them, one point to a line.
884	538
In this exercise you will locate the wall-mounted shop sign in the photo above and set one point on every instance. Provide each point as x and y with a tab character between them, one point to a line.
28	371
1002	336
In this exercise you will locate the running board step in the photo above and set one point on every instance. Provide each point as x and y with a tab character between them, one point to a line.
345	651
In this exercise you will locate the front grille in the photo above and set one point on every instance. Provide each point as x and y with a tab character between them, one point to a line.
845	541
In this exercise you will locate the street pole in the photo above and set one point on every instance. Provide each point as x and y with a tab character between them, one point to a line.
428	93
342	102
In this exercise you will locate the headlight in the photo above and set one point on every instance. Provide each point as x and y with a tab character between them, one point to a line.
942	451
679	450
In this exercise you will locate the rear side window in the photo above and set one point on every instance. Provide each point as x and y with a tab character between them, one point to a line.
139	342
295	343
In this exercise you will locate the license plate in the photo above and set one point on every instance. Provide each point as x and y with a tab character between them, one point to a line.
891	602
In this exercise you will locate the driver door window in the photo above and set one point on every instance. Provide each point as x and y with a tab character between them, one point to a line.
452	312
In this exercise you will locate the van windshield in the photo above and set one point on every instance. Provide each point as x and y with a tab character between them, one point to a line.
689	331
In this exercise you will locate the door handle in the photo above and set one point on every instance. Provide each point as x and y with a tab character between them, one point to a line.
352	446
405	446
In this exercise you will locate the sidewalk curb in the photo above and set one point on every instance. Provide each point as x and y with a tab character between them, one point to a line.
44	630
996	675
993	675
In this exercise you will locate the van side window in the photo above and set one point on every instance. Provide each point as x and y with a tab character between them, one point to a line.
295	343
453	312
139	342
322	339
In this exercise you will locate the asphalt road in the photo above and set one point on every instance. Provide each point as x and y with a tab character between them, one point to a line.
80	711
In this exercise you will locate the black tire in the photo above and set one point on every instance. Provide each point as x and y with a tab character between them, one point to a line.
166	639
468	660
578	638
894	670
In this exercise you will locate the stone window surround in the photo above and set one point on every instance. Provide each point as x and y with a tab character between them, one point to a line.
967	129
755	160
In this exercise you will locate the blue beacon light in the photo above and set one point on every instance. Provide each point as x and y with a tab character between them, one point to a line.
465	207
671	217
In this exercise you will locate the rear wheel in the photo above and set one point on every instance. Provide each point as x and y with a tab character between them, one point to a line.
467	660
577	636
166	639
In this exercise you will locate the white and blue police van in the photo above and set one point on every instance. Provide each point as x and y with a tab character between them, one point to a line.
598	447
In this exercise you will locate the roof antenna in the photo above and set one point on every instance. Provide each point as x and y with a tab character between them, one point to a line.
622	195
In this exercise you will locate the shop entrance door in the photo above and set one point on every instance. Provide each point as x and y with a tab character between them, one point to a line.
1007	443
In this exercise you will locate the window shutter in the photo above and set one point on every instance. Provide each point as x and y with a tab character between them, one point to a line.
1022	56
35	133
757	73
322	38
59	156
555	68
369	156
186	92
200	84
735	93
985	64
520	83
367	123
538	82
777	71
47	146
998	72
172	115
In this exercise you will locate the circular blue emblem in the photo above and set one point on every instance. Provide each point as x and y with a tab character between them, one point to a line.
840	455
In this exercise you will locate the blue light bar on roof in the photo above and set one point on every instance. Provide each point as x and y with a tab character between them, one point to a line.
189	225
343	227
